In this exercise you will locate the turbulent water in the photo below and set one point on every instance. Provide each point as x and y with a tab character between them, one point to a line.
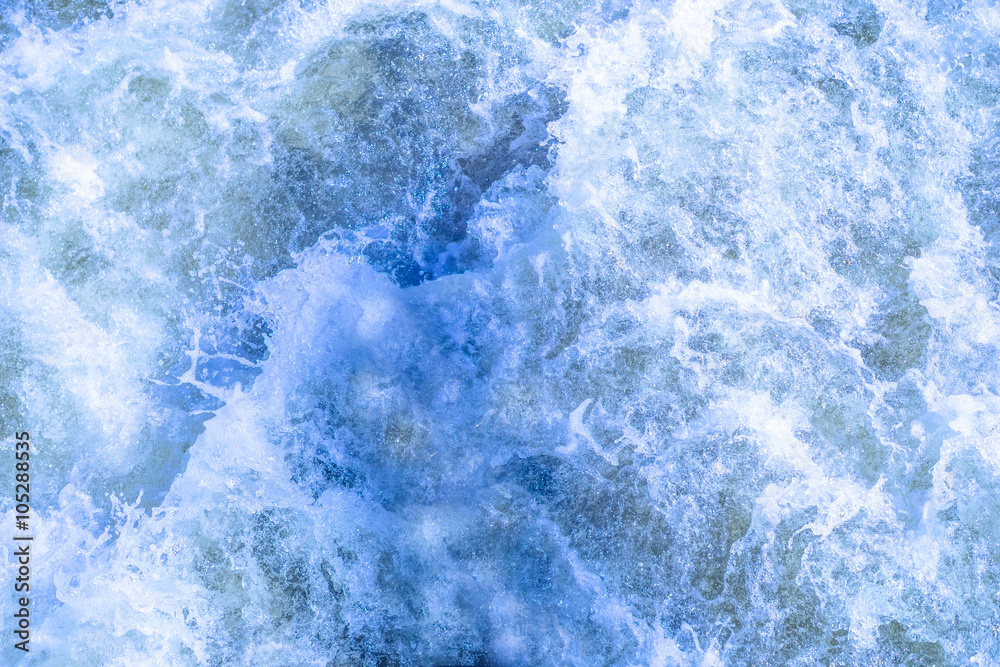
503	332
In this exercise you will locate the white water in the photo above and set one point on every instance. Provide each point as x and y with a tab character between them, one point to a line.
500	333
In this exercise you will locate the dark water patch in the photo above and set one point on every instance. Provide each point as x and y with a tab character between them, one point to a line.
861	21
8	31
383	138
168	441
980	189
60	14
13	362
771	566
318	471
642	549
237	17
184	396
896	646
21	178
902	331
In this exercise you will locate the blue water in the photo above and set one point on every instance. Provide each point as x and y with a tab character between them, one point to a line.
503	333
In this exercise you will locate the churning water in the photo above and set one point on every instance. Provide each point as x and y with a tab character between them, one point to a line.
501	332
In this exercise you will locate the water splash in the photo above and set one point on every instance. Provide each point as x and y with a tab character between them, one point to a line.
504	333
